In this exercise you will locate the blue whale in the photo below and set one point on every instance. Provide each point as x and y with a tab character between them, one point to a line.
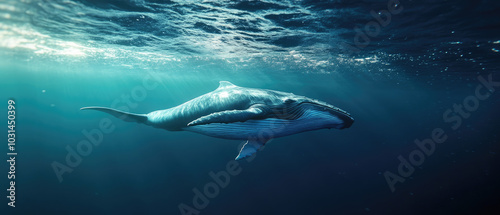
239	113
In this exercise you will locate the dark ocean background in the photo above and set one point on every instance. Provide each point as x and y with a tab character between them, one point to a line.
60	55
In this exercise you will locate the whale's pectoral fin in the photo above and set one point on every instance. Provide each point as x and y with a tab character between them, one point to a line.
128	117
250	147
229	116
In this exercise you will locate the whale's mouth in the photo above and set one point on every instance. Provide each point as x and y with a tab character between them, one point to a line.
343	115
296	110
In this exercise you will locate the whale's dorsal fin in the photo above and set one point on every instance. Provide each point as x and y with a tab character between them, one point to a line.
225	84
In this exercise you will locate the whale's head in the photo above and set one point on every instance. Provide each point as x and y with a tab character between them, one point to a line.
313	113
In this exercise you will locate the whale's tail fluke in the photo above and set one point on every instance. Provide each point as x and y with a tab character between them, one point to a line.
128	117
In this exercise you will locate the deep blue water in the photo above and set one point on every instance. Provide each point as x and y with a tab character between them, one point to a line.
401	78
